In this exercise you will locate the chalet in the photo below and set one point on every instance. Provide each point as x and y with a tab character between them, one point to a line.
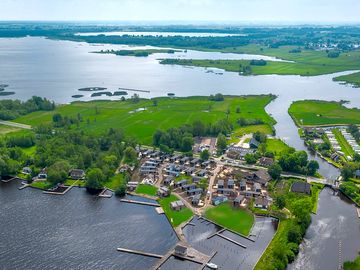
188	187
301	187
180	183
230	184
357	174
196	179
220	184
195	191
180	250
205	164
236	152
254	143
242	185
177	205
238	200
195	199
175	158
190	171
26	170
184	160
261	202
226	191
261	176
155	154
131	186
163	192
201	173
218	199
251	193
168	180
266	162
77	174
257	187
195	161
144	169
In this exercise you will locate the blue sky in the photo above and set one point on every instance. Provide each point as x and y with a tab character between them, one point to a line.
312	11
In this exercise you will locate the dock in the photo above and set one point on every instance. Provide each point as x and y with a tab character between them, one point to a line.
58	193
104	195
139	202
24	186
231	240
134	90
159	210
358	211
138	252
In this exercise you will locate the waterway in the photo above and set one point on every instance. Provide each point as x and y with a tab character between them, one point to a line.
56	69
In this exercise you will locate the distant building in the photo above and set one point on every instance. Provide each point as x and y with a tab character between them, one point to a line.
180	250
163	192
220	183
266	162
27	170
301	187
238	200
77	174
177	205
254	143
261	202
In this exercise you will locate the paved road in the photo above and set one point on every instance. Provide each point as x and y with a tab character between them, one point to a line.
13	124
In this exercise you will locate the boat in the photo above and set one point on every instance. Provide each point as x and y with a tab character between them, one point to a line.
212	265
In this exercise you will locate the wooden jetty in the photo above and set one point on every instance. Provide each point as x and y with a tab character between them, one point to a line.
138	252
231	240
134	90
139	202
57	193
358	211
24	186
104	195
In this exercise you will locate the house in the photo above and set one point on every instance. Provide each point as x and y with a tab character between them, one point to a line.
190	171
261	176
220	183
168	180
195	199
26	170
131	186
188	187
196	179
42	175
194	191
184	160
163	192
301	187
201	173
205	164
261	202
180	250
180	183
226	191
257	187
77	174
357	174
242	185
251	193
236	152
218	199
266	162
177	205
254	143
175	158
335	157
238	200
230	184
195	161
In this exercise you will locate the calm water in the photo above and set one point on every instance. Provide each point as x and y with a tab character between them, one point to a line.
164	34
77	231
56	69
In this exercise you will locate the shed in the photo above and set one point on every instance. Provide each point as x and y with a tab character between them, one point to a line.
301	187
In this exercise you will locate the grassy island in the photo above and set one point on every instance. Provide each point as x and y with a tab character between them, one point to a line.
142	118
353	79
316	112
137	53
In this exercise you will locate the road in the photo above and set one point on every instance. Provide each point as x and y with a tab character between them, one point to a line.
13	124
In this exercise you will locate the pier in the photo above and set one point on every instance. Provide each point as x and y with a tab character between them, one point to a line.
358	211
138	252
134	90
139	202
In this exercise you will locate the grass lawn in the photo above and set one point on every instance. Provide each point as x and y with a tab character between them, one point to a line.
315	112
169	113
30	151
345	146
353	78
41	184
70	182
114	182
239	132
146	189
175	217
232	218
305	63
315	190
7	129
355	265
276	146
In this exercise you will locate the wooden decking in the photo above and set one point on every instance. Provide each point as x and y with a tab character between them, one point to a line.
139	202
138	252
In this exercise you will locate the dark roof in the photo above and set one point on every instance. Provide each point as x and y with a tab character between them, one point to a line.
266	161
180	249
254	142
301	187
262	201
357	173
239	199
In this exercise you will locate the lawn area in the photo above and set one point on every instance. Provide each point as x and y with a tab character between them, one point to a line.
353	78
276	146
315	190
41	185
239	132
70	182
305	63
30	151
354	265
7	129
99	116
175	217
316	112
345	146
146	189
232	218
114	182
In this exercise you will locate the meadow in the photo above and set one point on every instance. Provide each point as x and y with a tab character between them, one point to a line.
316	112
175	217
98	116
353	78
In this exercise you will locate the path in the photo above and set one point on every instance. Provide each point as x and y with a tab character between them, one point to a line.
13	124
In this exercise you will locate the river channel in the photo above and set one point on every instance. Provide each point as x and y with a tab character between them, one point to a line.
56	69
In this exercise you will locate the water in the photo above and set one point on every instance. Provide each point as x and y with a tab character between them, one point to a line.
333	236
56	69
164	34
77	231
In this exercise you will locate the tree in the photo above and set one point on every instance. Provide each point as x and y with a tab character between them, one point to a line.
155	102
204	155
221	143
238	109
250	159
57	118
347	172
275	171
156	137
198	128
58	172
294	234
262	148
94	179
312	167
280	202
130	155
186	144
121	190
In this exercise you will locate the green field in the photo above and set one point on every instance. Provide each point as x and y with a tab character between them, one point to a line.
175	217
345	146
168	113
146	189
276	146
41	185
114	182
305	63
353	78
7	129
354	265
314	112
78	183
231	218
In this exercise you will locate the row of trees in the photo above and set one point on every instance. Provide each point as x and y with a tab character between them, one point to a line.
11	109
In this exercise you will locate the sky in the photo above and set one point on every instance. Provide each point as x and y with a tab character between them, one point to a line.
251	11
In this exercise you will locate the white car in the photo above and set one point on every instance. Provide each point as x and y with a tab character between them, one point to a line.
212	265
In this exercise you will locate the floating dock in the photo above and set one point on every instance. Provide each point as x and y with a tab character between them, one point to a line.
138	252
358	211
139	202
